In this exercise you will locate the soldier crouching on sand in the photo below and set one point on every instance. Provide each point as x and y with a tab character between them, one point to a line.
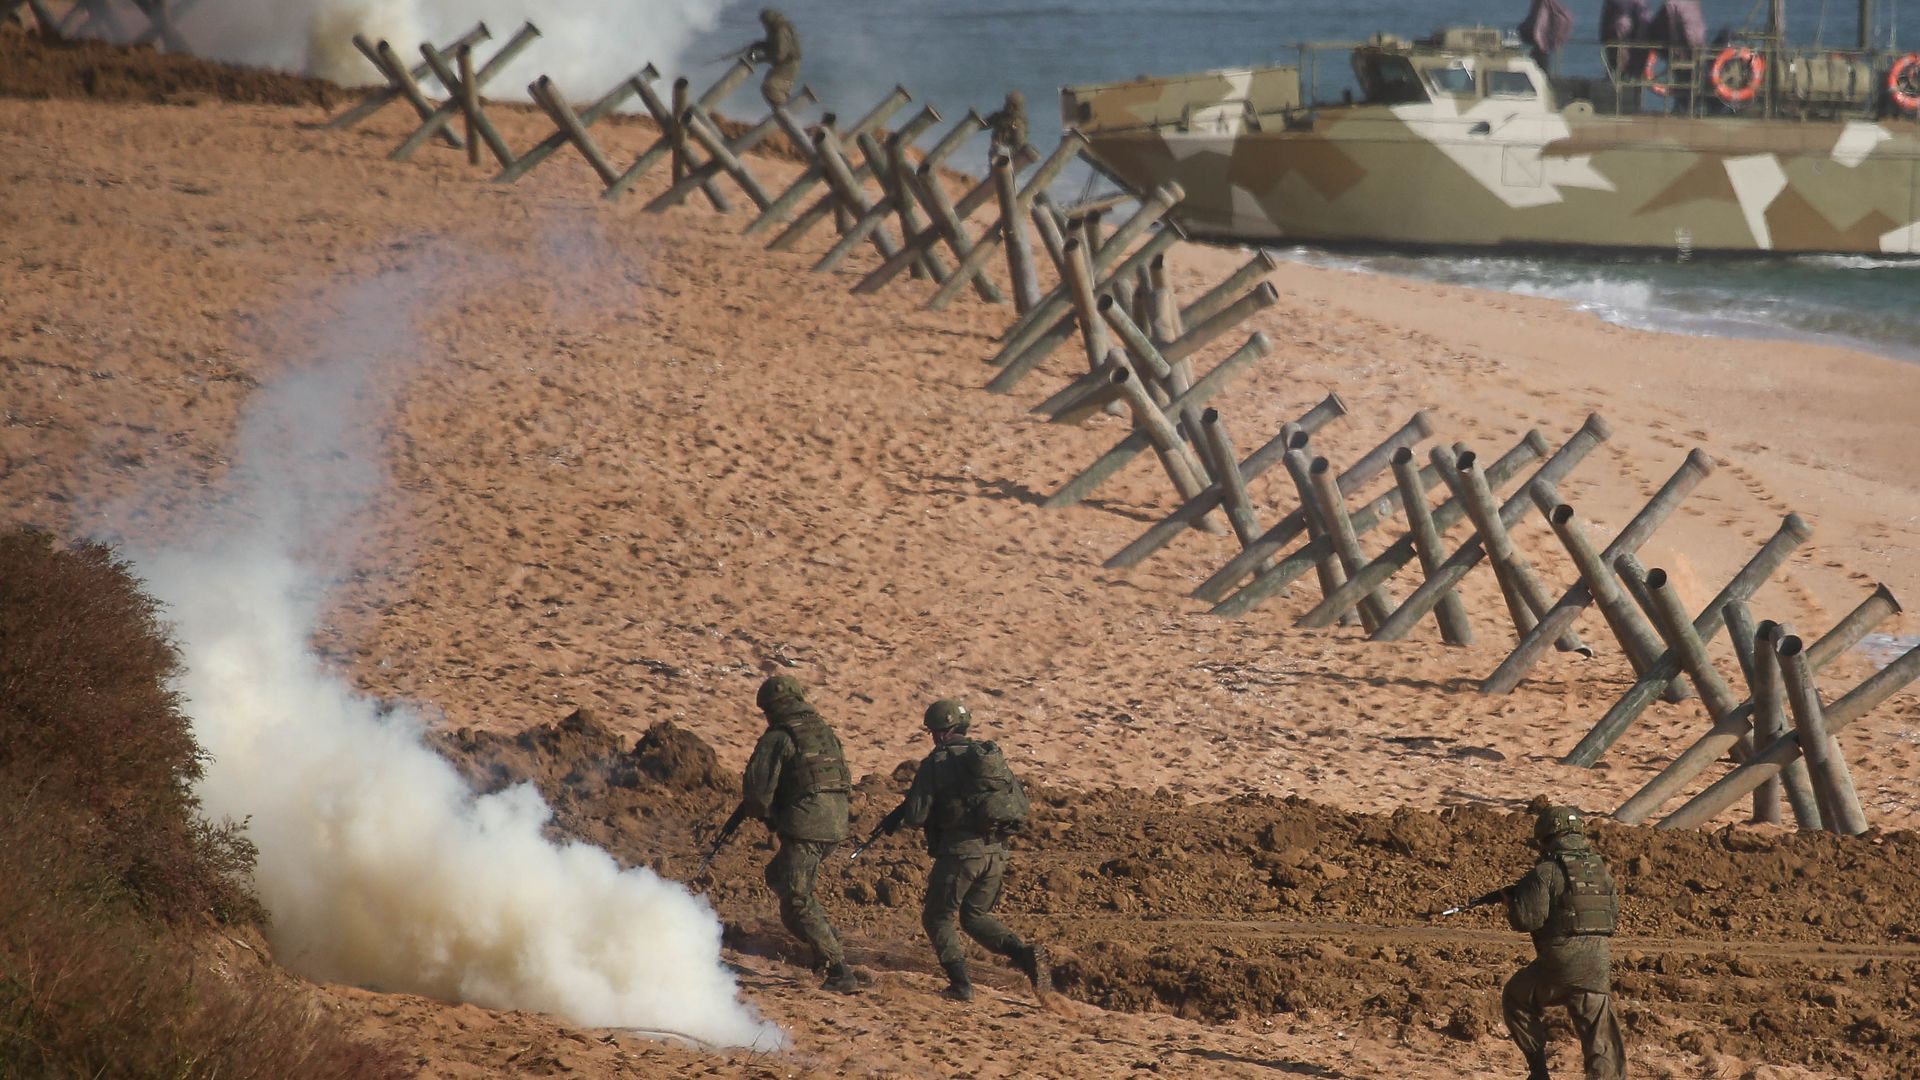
1568	903
797	782
969	802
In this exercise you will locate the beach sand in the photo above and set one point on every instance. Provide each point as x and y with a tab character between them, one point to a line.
636	463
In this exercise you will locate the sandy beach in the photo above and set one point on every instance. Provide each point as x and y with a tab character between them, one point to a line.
634	463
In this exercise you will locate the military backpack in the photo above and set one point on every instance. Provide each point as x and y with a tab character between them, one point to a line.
991	801
1589	906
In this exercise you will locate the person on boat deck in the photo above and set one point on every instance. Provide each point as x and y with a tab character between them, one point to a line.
1546	30
1680	25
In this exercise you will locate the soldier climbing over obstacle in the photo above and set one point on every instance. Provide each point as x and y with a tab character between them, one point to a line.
797	782
1568	903
1008	125
969	802
780	50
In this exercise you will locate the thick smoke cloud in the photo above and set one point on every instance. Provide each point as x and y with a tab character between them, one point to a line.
587	46
378	865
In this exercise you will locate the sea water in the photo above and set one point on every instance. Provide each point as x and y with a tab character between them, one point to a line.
961	54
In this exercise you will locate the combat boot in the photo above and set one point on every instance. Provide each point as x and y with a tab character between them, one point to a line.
959	987
840	979
1537	1070
1032	961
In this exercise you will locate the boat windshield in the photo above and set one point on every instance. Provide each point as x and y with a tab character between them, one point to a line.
1386	79
1455	78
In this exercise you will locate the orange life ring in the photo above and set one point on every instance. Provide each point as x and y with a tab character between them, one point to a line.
1903	82
1733	58
1653	57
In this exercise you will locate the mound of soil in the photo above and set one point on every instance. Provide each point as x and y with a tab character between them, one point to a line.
33	68
1780	946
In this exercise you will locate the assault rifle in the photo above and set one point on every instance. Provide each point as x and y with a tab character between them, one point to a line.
888	825
1496	896
726	833
753	54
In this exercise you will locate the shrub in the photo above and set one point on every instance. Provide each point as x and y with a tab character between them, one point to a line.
108	877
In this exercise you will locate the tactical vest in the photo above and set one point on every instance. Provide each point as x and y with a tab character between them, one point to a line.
1589	904
816	765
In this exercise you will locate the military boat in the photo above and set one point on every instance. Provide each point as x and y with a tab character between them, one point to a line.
1461	140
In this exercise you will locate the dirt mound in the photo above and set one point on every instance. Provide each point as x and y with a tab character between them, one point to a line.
1782	946
33	68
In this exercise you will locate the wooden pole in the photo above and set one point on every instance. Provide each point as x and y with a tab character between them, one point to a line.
1839	803
1026	285
1450	613
1327	568
1744	633
469	102
1333	512
1772	723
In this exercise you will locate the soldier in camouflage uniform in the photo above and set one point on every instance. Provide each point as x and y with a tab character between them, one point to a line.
968	865
1008	125
797	782
780	49
1568	903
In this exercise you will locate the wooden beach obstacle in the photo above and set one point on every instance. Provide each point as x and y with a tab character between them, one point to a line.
1745	728
442	68
403	82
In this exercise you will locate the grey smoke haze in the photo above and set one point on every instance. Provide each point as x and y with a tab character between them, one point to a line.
379	867
587	46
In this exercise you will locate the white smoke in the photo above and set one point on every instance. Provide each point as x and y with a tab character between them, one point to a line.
377	864
586	46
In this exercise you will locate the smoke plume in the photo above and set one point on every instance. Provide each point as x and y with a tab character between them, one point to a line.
379	867
587	46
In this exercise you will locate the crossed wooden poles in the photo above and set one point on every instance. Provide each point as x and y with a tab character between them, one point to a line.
98	18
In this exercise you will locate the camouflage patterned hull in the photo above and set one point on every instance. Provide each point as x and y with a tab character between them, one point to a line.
1430	176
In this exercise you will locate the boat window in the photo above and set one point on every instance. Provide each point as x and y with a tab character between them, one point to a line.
1512	84
1388	80
1451	79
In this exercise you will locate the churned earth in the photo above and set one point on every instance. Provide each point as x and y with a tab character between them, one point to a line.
633	463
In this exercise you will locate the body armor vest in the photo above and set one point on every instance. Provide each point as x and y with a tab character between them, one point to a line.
1589	904
817	765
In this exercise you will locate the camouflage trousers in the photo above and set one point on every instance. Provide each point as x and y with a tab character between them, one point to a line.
1525	1002
970	886
791	875
777	87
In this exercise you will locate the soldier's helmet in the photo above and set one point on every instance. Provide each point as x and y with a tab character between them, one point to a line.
770	17
947	715
1557	821
778	687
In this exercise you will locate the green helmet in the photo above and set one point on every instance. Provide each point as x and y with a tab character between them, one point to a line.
777	687
947	715
1557	821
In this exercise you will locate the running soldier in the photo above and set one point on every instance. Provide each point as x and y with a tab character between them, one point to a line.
798	784
1568	903
968	802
